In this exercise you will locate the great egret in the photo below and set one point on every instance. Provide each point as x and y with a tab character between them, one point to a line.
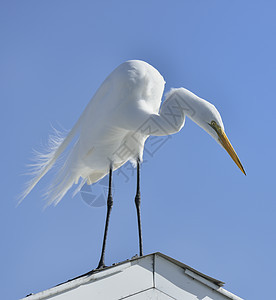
114	126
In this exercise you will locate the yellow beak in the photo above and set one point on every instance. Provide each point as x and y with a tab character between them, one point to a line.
223	139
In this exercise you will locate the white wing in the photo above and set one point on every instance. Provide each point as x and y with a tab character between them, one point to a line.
125	99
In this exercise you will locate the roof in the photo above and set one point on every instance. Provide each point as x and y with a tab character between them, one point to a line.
154	275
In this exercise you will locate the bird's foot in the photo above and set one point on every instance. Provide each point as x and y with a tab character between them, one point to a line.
101	265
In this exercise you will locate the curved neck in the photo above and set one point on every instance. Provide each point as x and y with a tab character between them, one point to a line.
178	104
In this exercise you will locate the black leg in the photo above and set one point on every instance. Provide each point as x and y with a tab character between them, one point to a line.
137	203
109	206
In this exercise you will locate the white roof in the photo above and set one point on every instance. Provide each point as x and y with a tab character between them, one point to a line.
153	276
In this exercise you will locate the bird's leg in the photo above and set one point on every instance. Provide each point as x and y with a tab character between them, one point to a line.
109	206
137	203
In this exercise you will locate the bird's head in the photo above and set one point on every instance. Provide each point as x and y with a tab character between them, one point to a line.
207	117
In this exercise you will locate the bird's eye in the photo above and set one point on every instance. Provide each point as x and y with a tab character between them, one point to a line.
213	123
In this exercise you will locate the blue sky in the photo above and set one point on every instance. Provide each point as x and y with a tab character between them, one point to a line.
196	204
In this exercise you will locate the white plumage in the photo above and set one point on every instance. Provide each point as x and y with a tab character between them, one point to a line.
116	123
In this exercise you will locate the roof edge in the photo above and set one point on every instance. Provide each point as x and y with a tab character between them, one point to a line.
107	271
184	266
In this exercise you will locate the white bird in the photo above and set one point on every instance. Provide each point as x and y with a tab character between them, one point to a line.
113	129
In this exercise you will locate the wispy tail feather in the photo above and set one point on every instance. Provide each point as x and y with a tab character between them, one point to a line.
45	161
64	179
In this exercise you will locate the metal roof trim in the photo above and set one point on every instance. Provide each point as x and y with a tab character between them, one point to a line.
107	271
184	266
